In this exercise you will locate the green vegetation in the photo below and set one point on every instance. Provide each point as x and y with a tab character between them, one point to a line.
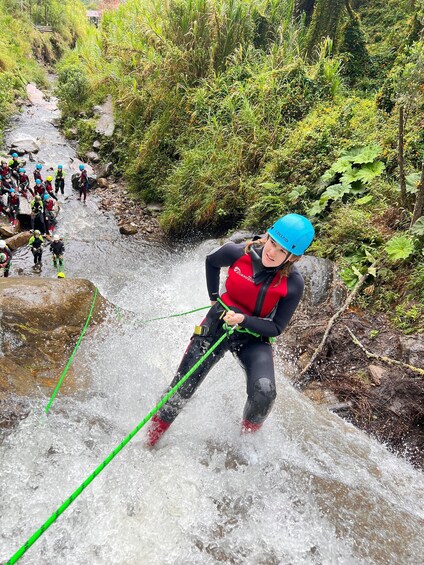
24	50
232	112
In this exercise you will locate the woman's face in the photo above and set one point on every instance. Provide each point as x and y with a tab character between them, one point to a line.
274	255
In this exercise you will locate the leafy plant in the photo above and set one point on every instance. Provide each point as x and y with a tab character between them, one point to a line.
349	175
400	247
418	227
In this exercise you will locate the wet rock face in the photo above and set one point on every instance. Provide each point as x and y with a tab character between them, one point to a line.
40	321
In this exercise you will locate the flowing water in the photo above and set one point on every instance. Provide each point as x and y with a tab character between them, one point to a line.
307	489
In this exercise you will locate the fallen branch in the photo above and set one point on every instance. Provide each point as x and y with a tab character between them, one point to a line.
302	380
388	360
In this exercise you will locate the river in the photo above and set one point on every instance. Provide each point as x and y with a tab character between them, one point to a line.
308	488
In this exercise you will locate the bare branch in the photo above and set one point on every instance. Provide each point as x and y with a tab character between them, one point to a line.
388	360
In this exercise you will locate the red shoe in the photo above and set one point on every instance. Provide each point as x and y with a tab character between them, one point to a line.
249	427
156	429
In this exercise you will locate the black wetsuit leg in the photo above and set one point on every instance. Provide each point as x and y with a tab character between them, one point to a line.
256	358
196	349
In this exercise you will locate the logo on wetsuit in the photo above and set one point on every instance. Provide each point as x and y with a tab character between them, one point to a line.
237	271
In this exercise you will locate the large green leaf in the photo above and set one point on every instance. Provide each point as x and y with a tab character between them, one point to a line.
361	155
316	208
341	165
418	227
412	182
350	175
364	200
399	247
369	171
334	192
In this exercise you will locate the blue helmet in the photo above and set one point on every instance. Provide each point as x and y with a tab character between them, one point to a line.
11	190
81	167
46	197
21	170
14	155
59	167
37	181
293	232
38	166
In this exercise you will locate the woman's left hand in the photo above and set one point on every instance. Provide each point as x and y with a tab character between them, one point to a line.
233	319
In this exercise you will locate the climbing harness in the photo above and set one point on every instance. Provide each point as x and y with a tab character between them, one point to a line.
68	364
36	535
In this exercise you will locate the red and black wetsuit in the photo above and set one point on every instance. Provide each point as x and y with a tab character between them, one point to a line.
49	189
8	262
267	301
14	205
83	184
37	175
40	189
23	183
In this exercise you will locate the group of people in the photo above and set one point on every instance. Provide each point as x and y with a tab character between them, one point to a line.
15	183
35	243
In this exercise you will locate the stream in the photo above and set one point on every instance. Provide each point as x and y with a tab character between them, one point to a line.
308	488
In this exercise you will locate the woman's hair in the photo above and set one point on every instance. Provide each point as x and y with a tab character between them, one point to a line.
285	269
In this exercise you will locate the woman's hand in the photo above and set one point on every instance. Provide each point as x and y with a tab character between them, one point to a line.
233	319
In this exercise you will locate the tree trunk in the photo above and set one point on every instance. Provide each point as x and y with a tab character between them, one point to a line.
419	201
325	22
402	180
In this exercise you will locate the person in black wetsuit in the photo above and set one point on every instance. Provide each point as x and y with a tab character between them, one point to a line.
263	290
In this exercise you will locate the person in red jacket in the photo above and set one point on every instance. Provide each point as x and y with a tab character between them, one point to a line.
263	290
23	183
83	183
5	257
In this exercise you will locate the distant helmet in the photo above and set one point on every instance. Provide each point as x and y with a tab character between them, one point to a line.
3	257
3	162
81	167
59	167
37	181
1	176
21	170
14	155
46	197
11	190
37	232
37	197
38	166
2	244
293	232
49	178
60	275
56	237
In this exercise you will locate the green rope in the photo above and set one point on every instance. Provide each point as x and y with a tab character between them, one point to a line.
99	469
120	317
176	315
68	364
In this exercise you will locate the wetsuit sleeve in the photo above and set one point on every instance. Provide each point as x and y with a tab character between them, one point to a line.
224	256
286	307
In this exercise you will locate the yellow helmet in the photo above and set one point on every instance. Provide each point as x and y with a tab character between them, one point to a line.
60	275
49	178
